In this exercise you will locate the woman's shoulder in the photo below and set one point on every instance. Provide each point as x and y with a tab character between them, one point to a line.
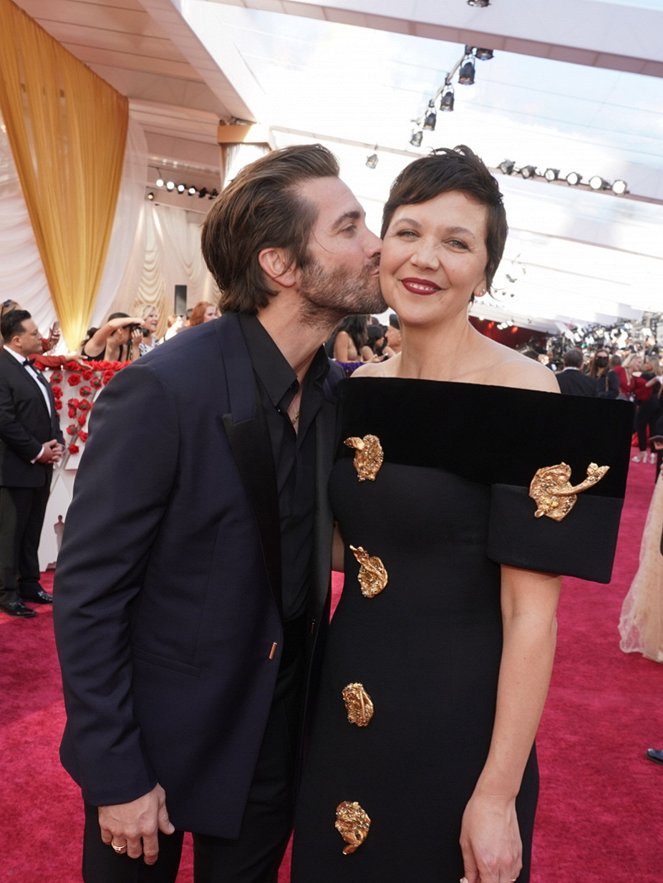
506	367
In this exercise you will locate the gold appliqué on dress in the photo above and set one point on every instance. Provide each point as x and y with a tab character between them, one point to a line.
352	823
368	456
373	576
553	493
358	704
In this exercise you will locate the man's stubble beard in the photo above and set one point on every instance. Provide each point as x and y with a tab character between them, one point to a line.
330	295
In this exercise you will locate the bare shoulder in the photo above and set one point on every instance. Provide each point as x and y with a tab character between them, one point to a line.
522	372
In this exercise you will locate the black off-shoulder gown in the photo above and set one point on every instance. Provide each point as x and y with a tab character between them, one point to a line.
427	648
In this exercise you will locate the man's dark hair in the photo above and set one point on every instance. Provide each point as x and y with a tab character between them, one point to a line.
573	358
260	208
12	324
394	321
449	169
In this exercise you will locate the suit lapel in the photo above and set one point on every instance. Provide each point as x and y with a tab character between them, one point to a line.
325	439
246	429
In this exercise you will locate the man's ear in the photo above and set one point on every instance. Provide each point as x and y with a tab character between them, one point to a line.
278	266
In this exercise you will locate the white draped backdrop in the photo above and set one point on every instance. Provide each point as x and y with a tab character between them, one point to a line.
152	248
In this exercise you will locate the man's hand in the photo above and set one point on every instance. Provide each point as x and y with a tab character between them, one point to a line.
51	452
134	826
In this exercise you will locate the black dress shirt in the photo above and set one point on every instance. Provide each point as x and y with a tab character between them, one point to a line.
293	453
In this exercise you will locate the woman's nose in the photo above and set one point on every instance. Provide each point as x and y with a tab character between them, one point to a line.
424	254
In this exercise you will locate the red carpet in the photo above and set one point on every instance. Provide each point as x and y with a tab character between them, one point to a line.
597	821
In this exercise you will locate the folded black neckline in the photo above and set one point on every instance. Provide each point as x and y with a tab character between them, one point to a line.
489	434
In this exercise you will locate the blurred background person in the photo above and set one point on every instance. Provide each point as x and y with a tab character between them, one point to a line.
607	383
150	322
393	335
116	340
349	342
572	379
646	387
203	311
30	443
622	376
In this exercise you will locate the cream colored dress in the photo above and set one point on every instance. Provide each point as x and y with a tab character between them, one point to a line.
641	620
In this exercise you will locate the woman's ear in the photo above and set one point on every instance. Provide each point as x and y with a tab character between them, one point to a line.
278	266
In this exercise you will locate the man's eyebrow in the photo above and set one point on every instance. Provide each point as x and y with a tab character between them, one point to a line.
354	215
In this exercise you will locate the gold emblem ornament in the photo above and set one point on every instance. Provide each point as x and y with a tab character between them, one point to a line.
372	576
368	456
358	705
553	493
353	824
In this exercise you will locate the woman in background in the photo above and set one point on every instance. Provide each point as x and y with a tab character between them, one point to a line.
204	311
116	340
150	322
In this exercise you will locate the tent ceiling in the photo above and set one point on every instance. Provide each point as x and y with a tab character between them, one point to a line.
575	85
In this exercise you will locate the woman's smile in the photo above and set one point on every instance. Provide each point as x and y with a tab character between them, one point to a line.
420	286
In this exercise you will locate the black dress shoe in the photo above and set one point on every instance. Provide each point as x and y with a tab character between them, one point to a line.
39	597
654	754
16	608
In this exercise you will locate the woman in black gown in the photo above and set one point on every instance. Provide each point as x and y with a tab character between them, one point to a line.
440	653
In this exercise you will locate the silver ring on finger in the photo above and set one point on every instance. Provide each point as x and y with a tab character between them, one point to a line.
119	849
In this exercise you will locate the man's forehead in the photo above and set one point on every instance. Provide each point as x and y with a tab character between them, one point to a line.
332	197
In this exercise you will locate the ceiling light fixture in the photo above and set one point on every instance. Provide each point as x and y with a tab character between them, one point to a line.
596	182
430	120
160	182
372	159
181	188
448	98
416	138
528	171
481	4
483	54
170	185
507	166
573	179
467	69
192	191
619	187
551	174
150	195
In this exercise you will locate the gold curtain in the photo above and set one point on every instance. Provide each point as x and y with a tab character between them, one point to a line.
67	129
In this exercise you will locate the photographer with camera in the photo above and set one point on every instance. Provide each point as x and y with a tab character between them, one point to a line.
116	341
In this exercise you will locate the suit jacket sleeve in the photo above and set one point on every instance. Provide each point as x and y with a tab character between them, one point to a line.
12	432
121	491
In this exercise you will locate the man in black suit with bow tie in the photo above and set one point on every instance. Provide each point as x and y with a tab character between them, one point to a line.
194	572
30	443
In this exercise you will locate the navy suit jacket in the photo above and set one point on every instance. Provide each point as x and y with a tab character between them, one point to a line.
25	425
167	589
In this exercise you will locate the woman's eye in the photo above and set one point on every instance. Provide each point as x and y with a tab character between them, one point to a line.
406	234
456	243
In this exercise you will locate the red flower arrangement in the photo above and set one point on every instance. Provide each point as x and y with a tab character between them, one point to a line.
74	372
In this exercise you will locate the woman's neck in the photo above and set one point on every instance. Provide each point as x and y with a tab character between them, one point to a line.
441	353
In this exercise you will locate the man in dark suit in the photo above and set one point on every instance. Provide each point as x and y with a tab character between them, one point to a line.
571	379
30	442
194	573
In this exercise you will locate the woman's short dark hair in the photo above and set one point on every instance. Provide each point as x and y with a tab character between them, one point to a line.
447	169
262	208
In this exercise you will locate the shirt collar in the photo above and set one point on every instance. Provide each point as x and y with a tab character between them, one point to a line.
273	370
20	358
